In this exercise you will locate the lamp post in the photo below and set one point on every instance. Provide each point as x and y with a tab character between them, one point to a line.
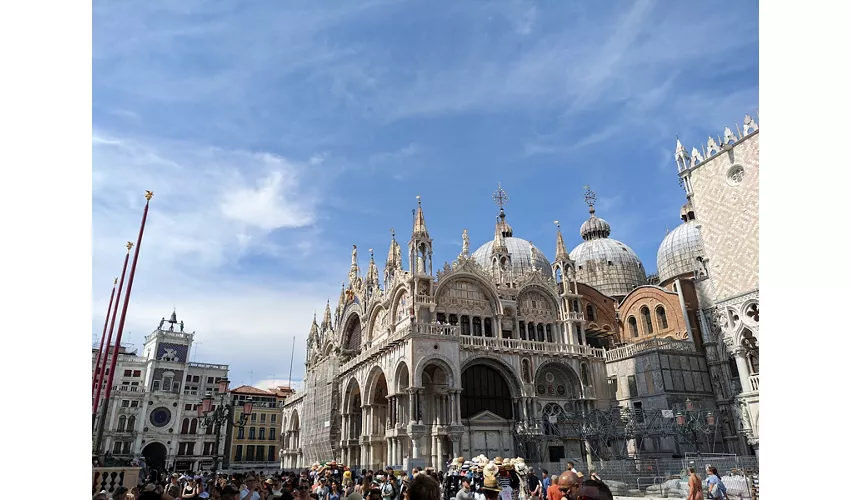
693	422
222	414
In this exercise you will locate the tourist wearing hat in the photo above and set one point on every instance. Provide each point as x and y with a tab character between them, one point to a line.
490	488
465	492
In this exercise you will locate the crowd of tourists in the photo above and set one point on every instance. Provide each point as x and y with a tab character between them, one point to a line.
475	479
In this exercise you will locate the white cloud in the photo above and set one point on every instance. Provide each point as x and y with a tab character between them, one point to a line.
268	206
211	208
318	158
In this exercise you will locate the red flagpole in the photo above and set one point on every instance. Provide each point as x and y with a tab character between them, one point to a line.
102	365
102	338
148	196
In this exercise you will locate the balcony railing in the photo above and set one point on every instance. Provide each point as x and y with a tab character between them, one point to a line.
574	315
468	342
656	344
754	382
135	389
207	365
500	344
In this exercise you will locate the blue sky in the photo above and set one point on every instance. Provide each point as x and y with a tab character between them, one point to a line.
277	134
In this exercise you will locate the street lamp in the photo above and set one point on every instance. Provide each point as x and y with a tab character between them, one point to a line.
222	414
693	422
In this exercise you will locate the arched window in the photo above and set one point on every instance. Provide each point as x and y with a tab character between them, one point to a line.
193	429
485	388
540	335
647	319
633	327
131	423
184	429
488	327
210	429
549	333
661	317
122	423
590	313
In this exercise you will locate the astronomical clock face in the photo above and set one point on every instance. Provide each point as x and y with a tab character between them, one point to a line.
161	416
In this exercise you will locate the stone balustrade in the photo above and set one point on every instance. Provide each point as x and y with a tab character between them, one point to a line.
109	478
655	344
754	382
502	344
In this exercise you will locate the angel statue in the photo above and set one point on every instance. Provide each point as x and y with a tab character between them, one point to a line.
354	255
465	250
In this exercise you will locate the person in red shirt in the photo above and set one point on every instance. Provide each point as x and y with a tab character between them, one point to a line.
553	492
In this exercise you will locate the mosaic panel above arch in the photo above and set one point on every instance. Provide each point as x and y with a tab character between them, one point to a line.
554	380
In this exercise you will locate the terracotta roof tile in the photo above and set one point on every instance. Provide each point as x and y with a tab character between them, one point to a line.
247	389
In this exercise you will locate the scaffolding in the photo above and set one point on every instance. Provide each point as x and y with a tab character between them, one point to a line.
320	418
621	433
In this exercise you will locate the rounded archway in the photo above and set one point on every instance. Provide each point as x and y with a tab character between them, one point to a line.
555	380
484	388
155	455
402	378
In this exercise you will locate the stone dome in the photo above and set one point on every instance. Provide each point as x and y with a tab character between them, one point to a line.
595	227
605	264
608	265
679	250
520	251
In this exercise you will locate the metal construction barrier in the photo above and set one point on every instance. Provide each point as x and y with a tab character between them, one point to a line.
666	477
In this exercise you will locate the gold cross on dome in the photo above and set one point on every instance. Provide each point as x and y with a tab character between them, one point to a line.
589	196
500	197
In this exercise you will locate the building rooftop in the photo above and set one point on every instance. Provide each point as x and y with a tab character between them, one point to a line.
251	391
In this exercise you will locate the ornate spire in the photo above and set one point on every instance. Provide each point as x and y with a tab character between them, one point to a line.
326	320
372	276
341	303
501	199
354	272
419	229
394	255
314	327
560	249
499	245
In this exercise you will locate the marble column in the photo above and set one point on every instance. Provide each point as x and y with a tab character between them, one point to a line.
415	440
411	400
743	368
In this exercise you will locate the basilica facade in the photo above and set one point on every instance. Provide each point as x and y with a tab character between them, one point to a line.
426	364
